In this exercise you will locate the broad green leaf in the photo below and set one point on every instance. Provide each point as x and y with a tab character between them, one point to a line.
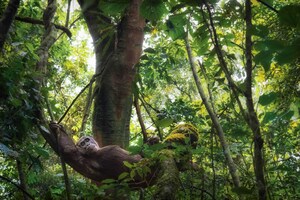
260	30
266	99
290	15
269	45
269	116
175	25
163	123
41	151
264	58
128	164
153	10
288	115
113	7
290	53
149	50
123	175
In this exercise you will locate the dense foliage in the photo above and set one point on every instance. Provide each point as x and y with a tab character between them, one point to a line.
167	92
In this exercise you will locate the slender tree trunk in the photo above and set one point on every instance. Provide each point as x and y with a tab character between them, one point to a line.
23	183
117	56
252	116
232	168
140	118
7	19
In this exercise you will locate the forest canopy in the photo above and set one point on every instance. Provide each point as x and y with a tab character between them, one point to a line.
181	99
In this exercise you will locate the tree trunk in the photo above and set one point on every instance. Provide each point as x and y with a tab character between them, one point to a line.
252	119
7	19
168	182
232	168
23	184
116	57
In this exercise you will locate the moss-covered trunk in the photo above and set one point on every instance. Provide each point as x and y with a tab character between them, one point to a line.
116	56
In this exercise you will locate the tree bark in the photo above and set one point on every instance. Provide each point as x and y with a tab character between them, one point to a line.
117	57
252	116
232	168
7	19
23	184
168	181
140	118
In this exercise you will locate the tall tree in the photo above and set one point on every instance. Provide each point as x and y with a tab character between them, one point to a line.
116	56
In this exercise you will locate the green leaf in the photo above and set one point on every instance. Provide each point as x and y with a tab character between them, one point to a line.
132	174
123	175
127	164
269	116
260	30
288	115
270	45
135	149
41	151
16	102
175	25
113	7
266	99
164	122
149	50
290	53
242	190
264	58
153	10
106	181
290	15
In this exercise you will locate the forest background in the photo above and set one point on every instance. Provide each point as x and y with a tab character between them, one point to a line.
228	68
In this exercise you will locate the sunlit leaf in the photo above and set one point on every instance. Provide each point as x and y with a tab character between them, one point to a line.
176	28
164	122
128	164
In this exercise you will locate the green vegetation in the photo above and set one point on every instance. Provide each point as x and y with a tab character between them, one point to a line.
229	70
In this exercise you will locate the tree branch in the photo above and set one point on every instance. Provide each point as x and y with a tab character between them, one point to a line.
232	168
138	112
214	37
40	22
17	186
268	6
